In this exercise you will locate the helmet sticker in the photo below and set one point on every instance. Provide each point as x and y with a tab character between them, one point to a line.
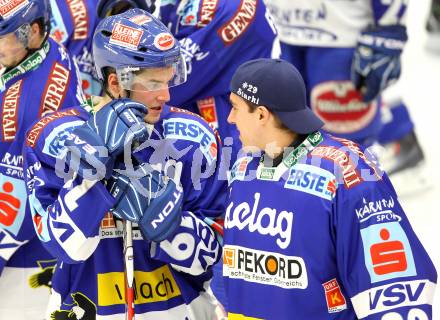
140	19
126	36
164	41
9	8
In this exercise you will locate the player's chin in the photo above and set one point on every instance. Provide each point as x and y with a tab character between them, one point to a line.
153	114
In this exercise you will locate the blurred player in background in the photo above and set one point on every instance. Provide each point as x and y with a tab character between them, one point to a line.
38	78
348	53
73	24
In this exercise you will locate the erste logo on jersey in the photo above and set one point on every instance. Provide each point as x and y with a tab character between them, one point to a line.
341	107
80	16
188	14
10	104
207	12
392	296
10	7
387	252
56	88
192	130
35	131
268	268
164	41
312	180
334	297
238	24
349	174
126	36
276	224
238	170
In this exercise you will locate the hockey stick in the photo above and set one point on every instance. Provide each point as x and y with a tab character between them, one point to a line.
129	270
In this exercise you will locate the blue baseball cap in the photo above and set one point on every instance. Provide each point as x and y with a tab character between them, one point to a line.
277	85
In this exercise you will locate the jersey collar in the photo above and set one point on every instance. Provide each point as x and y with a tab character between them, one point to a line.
274	173
30	63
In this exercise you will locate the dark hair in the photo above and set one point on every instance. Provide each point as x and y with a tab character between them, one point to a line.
106	72
278	123
41	24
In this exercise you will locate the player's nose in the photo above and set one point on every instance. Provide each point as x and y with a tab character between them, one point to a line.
164	95
231	118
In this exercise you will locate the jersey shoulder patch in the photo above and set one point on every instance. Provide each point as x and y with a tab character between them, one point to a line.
35	131
190	127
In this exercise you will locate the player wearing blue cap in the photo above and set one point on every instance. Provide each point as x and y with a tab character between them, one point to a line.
313	228
37	77
130	240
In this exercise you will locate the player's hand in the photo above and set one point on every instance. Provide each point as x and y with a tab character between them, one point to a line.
91	149
148	198
376	61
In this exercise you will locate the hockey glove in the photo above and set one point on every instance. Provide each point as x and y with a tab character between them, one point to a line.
91	149
150	199
376	61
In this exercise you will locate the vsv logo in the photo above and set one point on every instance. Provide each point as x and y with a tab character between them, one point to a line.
394	295
276	224
387	252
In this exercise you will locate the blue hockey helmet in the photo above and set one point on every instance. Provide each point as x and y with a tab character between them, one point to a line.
133	41
105	7
16	13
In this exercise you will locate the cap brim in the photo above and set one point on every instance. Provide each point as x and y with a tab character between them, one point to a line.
302	121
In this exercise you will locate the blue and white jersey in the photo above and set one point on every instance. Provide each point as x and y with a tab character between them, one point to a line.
331	23
216	37
321	236
43	83
73	23
72	220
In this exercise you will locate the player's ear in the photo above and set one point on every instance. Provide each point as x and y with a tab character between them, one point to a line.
263	114
34	36
113	86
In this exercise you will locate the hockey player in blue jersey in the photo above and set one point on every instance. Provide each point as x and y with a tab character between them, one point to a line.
216	37
174	246
313	228
348	52
73	24
38	77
